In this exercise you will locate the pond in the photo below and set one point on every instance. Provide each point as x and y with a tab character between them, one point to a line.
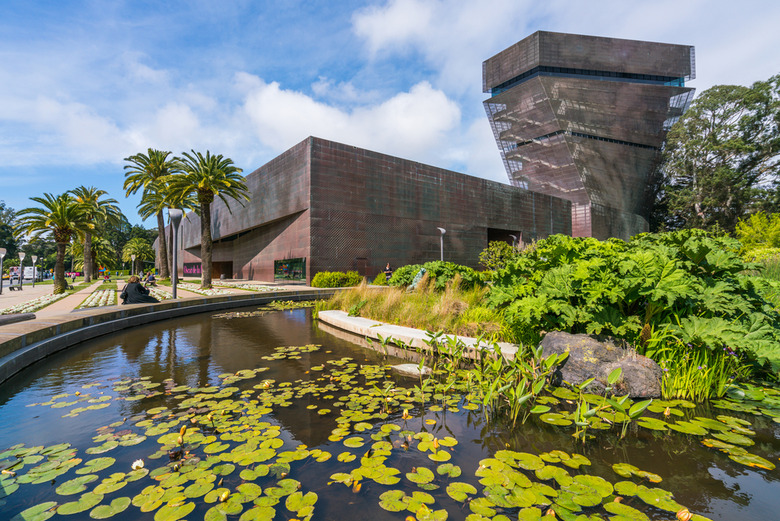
260	416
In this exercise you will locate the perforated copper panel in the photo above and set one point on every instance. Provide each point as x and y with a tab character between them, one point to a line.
581	134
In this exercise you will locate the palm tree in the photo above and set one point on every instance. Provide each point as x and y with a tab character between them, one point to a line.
60	216
142	173
138	247
158	198
207	177
102	253
99	212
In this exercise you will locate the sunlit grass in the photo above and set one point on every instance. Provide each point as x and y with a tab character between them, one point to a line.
455	311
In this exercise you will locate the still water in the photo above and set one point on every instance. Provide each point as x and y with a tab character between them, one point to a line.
200	350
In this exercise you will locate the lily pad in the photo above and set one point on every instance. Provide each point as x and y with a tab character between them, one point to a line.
393	500
75	485
116	506
40	512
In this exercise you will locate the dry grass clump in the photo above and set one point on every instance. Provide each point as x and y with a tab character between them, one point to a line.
453	310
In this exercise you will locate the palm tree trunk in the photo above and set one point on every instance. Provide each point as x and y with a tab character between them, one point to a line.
60	285
205	244
87	257
163	250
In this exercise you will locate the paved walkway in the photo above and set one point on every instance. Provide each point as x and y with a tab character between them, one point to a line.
69	303
11	298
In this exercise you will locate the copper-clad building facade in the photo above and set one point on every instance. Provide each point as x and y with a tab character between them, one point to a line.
584	118
326	206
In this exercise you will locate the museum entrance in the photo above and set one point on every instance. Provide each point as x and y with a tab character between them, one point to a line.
218	269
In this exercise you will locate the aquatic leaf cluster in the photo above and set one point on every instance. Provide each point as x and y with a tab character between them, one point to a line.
217	451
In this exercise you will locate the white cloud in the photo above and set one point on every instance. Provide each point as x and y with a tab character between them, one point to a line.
414	124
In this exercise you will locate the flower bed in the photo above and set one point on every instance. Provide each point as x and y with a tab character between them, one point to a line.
33	305
244	285
197	289
101	297
160	294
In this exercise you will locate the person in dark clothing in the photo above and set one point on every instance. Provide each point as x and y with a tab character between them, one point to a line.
388	272
135	293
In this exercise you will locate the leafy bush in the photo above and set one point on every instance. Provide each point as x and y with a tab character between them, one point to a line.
440	274
759	231
380	280
404	275
497	255
336	279
656	291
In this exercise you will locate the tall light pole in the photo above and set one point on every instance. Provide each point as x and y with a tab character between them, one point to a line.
514	239
2	254
21	269
132	265
443	231
35	259
174	216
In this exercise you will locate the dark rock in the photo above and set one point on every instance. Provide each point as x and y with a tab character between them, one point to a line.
594	356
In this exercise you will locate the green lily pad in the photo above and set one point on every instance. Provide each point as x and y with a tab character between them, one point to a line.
96	465
652	423
393	500
625	511
751	460
440	455
116	506
688	428
346	457
600	485
172	512
420	475
460	491
555	418
733	438
75	485
483	506
448	469
84	503
259	513
658	498
40	512
354	442
302	504
626	488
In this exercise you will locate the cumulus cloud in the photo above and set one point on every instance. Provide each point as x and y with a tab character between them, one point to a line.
413	124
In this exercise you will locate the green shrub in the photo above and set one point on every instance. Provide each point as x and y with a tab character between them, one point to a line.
497	255
404	275
336	279
380	280
656	291
440	274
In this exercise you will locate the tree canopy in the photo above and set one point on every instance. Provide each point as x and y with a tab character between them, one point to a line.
721	158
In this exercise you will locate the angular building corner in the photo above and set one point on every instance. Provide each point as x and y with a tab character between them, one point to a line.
584	118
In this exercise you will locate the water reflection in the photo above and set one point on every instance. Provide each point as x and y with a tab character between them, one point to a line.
195	350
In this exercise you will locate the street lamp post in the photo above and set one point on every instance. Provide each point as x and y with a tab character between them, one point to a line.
2	254
34	259
132	264
443	231
21	269
174	216
514	239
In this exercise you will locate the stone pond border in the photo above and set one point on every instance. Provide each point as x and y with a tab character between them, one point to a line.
365	327
22	344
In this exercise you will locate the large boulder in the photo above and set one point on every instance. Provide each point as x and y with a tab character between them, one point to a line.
594	356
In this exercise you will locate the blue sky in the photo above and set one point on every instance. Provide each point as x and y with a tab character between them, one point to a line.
87	83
